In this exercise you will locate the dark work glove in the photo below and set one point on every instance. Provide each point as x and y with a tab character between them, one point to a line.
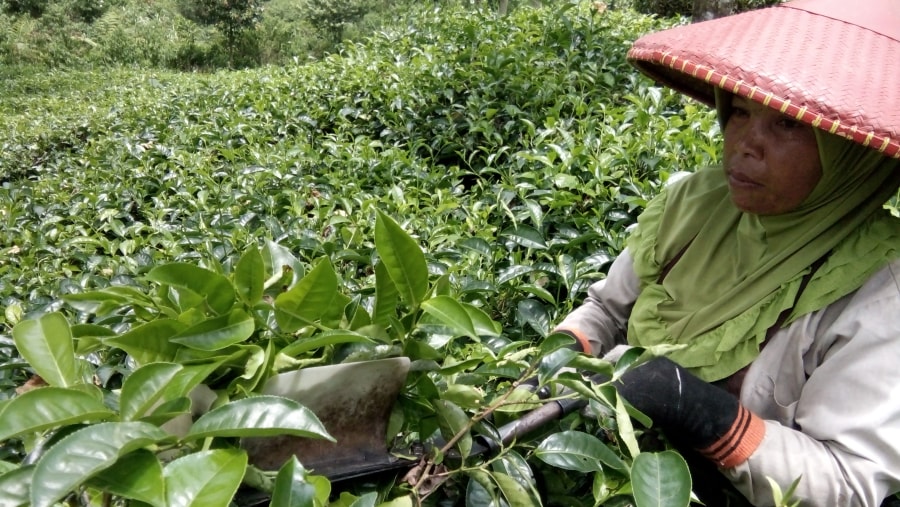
690	411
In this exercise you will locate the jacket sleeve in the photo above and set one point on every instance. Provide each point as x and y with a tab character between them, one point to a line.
601	321
828	387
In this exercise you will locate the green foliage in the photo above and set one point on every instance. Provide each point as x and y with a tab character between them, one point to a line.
894	205
233	18
81	33
149	35
87	10
747	5
284	33
33	8
183	35
665	8
671	8
48	32
444	191
784	499
197	345
213	12
332	16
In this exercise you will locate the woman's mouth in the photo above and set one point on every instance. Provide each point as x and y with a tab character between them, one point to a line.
736	179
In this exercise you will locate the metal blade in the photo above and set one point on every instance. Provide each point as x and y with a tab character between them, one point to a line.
353	401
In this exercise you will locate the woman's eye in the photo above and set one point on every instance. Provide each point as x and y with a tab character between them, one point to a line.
739	112
790	124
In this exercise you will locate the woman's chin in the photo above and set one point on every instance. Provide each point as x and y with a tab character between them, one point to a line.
751	204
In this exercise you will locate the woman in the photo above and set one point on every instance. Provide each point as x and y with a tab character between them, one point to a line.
778	274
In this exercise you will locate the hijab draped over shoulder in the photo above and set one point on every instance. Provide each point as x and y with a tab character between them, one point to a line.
735	273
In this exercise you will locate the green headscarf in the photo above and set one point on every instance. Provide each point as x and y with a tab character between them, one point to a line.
738	272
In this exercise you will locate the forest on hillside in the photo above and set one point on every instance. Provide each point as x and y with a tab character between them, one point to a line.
210	34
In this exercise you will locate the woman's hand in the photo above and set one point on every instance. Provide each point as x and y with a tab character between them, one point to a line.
690	411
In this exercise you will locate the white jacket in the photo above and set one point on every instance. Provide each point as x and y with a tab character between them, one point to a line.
827	385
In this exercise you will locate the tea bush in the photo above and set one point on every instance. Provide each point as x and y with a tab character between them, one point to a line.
454	94
449	188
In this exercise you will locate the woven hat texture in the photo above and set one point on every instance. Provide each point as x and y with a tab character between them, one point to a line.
833	64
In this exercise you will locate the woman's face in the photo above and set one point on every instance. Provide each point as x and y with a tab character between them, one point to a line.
771	160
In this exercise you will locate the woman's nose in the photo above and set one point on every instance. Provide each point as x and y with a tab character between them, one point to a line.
751	138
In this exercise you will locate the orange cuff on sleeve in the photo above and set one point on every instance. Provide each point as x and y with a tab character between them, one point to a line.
579	337
739	442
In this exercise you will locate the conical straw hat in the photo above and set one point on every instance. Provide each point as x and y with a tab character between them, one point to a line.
833	64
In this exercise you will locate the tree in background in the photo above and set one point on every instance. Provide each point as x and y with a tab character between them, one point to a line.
232	18
503	6
699	10
331	16
78	10
33	8
710	9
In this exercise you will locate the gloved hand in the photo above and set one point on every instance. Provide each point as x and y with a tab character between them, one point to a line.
692	412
